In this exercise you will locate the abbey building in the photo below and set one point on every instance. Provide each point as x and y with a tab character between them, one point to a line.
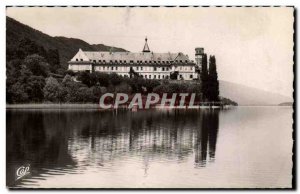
146	64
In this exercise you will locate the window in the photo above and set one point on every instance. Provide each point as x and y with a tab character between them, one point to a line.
191	76
94	61
146	76
103	61
131	61
180	61
76	59
176	61
186	61
180	76
154	76
142	68
116	61
163	76
124	61
81	59
116	68
154	68
163	61
110	61
163	69
137	68
120	61
99	61
158	76
191	68
149	76
145	61
154	61
112	68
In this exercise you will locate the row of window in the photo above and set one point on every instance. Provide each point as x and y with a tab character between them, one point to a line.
143	68
134	68
131	61
161	76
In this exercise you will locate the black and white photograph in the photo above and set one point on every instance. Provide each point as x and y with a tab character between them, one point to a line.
150	97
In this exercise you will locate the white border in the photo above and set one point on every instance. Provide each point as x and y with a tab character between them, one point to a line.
3	5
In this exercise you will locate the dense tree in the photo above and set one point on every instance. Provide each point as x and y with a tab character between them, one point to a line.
213	82
151	84
115	79
84	77
35	87
37	65
84	94
96	93
16	93
174	75
204	77
53	60
53	91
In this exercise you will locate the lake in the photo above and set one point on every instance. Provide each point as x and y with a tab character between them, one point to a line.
243	147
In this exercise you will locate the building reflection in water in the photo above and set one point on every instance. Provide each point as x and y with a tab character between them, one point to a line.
61	142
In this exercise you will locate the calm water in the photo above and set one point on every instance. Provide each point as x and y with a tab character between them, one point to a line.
240	147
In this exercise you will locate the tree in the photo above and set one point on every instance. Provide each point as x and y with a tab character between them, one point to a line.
16	93
84	77
151	84
37	65
115	79
53	60
52	90
66	79
213	82
84	94
35	87
204	76
174	75
96	90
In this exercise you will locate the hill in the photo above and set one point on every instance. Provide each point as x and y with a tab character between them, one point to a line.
67	47
245	95
286	104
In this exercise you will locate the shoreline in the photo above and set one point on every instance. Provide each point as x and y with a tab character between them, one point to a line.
96	106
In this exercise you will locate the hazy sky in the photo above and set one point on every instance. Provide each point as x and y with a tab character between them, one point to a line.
253	46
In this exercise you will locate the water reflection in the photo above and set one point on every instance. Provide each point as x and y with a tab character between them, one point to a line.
66	142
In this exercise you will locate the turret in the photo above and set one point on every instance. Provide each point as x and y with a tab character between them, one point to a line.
146	47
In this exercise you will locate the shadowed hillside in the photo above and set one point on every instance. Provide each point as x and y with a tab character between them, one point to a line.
245	95
67	47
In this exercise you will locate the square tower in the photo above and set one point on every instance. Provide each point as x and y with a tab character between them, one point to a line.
199	52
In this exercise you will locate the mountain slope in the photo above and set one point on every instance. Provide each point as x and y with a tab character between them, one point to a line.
245	95
67	47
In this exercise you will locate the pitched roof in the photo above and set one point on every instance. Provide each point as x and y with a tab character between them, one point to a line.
129	56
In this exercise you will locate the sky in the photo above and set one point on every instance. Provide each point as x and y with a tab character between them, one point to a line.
252	46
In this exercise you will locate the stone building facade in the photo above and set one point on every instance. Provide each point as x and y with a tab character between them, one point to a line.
147	64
